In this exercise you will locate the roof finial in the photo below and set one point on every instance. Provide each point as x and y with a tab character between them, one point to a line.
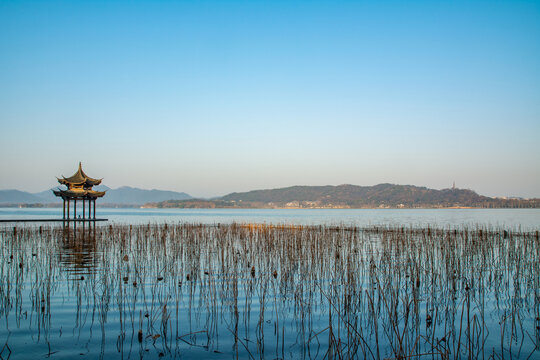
80	166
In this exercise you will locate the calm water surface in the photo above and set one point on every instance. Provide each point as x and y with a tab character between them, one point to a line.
136	288
527	219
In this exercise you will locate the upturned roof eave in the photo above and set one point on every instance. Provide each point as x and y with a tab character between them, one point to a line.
70	194
79	178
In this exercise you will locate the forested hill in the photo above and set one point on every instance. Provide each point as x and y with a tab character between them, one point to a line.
363	196
352	196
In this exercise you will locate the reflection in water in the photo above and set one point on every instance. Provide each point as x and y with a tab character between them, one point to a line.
524	219
257	291
77	249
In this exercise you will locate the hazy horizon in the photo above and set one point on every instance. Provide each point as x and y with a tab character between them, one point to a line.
211	97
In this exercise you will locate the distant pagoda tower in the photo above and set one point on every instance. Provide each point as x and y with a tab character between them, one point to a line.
79	187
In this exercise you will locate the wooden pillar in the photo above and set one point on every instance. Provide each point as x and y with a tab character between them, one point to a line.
75	209
94	209
83	207
64	211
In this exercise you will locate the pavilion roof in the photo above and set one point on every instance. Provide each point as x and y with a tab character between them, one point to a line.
79	178
82	194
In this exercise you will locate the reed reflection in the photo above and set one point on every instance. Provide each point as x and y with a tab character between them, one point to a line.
77	248
271	291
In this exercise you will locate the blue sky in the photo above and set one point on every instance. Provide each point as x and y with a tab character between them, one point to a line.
210	97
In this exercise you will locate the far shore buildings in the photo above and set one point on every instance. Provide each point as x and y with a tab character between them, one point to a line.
79	188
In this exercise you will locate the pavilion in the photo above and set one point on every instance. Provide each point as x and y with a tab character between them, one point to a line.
79	187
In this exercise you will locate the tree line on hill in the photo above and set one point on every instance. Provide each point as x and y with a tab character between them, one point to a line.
352	196
342	196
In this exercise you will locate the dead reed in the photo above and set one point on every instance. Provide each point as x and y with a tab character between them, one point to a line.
279	291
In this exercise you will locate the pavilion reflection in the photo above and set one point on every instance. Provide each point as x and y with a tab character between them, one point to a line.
78	249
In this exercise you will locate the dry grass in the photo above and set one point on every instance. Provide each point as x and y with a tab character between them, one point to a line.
282	291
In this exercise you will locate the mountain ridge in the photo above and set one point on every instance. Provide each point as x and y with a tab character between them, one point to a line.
355	195
124	195
383	195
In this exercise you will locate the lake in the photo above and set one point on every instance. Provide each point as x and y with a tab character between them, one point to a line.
508	218
158	284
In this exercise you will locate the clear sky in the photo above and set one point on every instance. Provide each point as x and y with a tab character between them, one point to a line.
210	97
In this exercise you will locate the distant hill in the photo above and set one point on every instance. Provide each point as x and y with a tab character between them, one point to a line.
341	196
19	197
124	195
130	195
362	196
353	196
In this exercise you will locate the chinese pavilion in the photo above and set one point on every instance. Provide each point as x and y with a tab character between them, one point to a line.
79	187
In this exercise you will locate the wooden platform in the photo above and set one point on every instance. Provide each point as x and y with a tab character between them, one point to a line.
50	220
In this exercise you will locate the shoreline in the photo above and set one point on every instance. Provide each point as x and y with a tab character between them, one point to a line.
145	207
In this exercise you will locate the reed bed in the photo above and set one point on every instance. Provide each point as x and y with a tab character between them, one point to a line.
269	291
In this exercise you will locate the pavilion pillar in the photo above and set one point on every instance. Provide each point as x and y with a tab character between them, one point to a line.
68	209
83	207
64	210
94	209
75	209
